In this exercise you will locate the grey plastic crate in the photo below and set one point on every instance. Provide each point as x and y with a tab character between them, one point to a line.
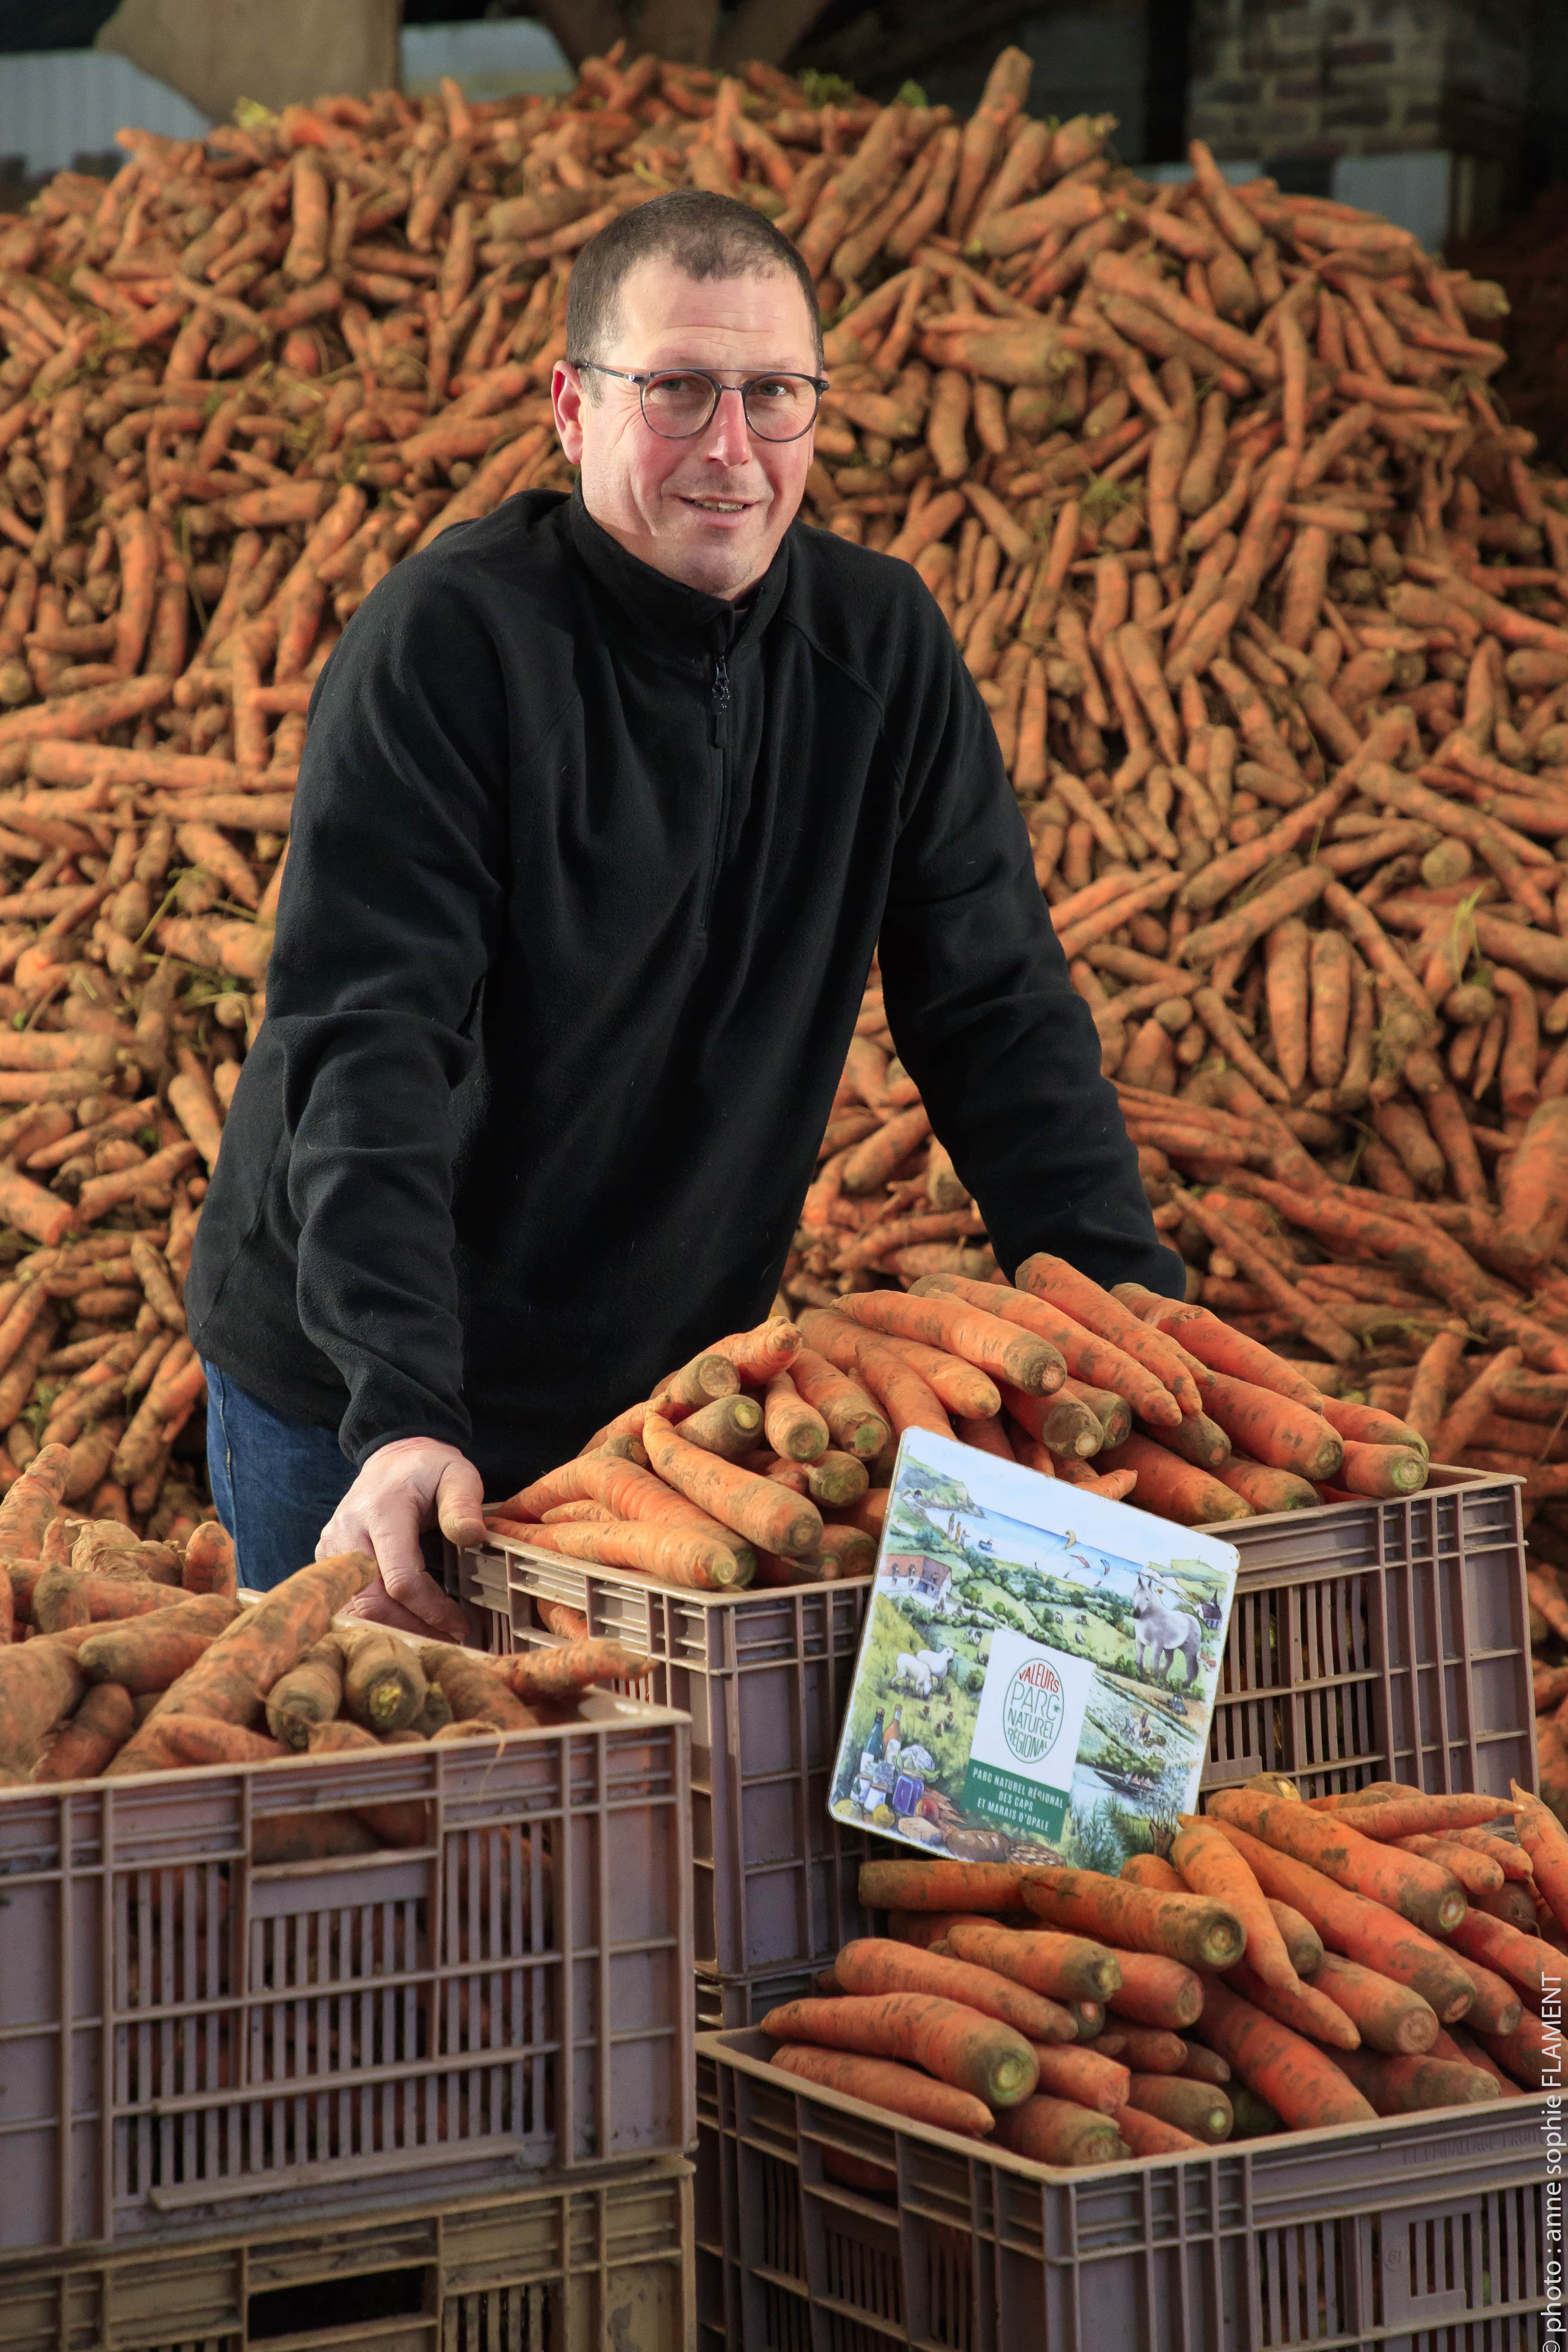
765	1676
1419	2234
724	2004
192	2039
601	2261
1381	1640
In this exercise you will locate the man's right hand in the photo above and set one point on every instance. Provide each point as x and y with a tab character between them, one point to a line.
413	1483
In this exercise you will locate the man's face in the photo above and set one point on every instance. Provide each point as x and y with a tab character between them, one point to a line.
709	510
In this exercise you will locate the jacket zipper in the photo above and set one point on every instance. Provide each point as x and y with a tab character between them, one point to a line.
718	704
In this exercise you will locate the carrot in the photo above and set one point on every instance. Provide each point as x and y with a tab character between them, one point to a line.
1149	2049
873	1965
1478	1874
767	1515
279	1838
476	1692
979	1338
1302	1941
1534	1215
730	1426
1064	1967
1209	1865
1545	1840
1384	1470
1171	1488
628	1492
1051	1278
1388	2017
550	1677
384	1687
86	1743
1186	1927
1222	1350
1368	1425
147	1654
1301	2007
70	1597
1147	2135
1462	2049
1303	2084
1493	1944
1111	1411
1265	1490
1272	1429
1149	1870
894	1883
33	1499
904	1399
308	1693
706	1378
793	1428
1200	2065
1524	2051
1493	1999
758	1355
1156	1991
1359	1929
1059	2131
1201	2109
1083	1354
1410	1810
1429	1897
1408	2085
1062	1423
882	2083
165	1743
1087	2077
963	1390
956	2044
209	1563
849	1416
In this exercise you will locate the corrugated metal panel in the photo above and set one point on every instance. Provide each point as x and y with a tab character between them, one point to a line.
492	58
57	104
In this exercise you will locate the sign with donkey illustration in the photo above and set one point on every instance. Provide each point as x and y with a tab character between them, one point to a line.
1037	1669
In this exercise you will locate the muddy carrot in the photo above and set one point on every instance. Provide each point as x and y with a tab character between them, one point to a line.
757	1355
1388	2017
1082	1353
1300	2006
1302	1941
1478	1874
959	1386
1410	1812
1524	1961
1408	2085
1149	1870
1171	1487
1209	1865
849	1415
1190	1928
232	1680
1545	1840
165	1742
552	1676
944	1321
209	1563
956	2044
794	1428
383	1686
150	1652
1156	1991
1051	1278
730	1426
1147	2135
1221	1348
32	1501
906	1402
1273	1430
1429	1897
1202	2109
309	1693
883	2083
1301	2084
94	1735
767	1515
1065	1968
1060	2132
874	1965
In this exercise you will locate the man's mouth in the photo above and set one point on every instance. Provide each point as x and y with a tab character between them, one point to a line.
716	506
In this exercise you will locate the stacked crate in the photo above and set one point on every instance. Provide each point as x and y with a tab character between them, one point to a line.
447	2076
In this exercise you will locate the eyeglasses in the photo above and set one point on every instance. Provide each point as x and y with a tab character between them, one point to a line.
679	402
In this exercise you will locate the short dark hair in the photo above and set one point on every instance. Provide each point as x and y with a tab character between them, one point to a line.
706	236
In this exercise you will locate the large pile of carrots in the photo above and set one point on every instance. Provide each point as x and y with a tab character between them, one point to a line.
125	1655
1289	1966
1265	598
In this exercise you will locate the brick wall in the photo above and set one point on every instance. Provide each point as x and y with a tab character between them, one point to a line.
1318	78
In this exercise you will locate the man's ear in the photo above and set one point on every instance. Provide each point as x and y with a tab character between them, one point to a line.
568	399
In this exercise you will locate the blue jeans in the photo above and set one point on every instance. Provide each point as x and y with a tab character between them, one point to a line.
276	1482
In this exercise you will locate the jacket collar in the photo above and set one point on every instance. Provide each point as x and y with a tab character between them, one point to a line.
677	619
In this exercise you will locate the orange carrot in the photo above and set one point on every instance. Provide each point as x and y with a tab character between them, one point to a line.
209	1565
768	1515
166	1742
1148	1870
1524	2051
1493	2000
979	1338
905	1400
1083	1353
849	1415
554	1676
1524	1961
1388	2017
1272	1430
1359	1929
1404	2086
962	1389
476	1692
1545	1840
793	1428
873	1964
956	2044
33	1499
1051	1278
882	2083
1064	1967
758	1355
1410	1810
1060	2132
1171	1488
1302	1941
149	1653
1303	2085
94	1735
892	1883
1429	1897
70	1597
1186	1927
309	1693
1147	2135
1221	1348
1209	1865
1156	1991
1086	2076
1265	1490
1370	1426
1478	1874
1301	2007
1200	2108
1149	2049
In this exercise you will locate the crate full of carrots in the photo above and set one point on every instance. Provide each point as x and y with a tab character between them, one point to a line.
378	1918
1351	1988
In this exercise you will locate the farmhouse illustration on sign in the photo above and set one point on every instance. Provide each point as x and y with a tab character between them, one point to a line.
1037	1670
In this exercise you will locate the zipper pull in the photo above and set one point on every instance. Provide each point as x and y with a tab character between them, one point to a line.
720	688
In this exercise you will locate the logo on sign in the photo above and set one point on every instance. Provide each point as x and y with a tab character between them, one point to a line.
1031	1710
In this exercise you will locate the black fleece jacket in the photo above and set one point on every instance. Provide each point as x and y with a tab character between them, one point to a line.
587	875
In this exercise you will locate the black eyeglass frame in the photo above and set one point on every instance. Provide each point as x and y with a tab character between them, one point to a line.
642	379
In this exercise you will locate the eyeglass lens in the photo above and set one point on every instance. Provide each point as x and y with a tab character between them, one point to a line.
778	407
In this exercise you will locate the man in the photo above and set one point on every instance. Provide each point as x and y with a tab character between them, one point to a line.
607	802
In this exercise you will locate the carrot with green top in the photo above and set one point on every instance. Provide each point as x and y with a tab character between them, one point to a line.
767	1515
1051	1278
1301	2007
793	1428
883	2083
1429	1897
956	2044
1060	2132
1301	2084
1171	1487
1359	1929
893	1884
1388	2017
851	1418
1156	1991
1063	1968
1188	1927
872	1964
1083	1354
84	1747
1208	1864
961	1329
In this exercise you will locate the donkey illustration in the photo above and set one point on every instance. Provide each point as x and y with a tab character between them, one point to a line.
1162	1632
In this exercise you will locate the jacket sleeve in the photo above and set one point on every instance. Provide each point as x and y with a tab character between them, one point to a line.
389	918
984	1017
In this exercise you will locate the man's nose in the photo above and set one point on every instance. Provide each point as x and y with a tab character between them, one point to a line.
729	437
